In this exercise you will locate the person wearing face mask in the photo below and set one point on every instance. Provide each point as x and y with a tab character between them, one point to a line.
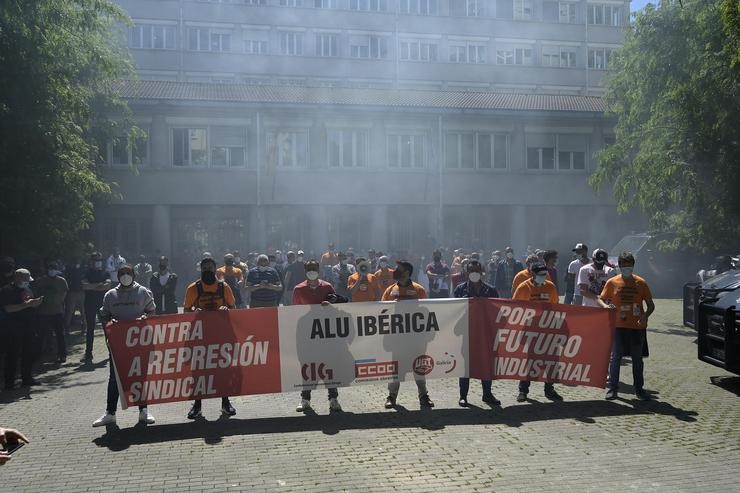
526	273
113	262
143	271
474	287
550	258
572	293
19	305
384	274
492	267
232	276
341	273
362	285
630	295
163	285
507	270
537	288
405	289
208	293
315	291
328	260
295	273
95	284
263	284
53	287
127	301
74	274
439	276
592	277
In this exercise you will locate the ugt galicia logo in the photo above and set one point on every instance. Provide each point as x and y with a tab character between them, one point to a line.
423	365
314	372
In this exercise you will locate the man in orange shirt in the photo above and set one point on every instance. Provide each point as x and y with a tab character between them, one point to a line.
328	260
384	274
233	276
526	273
629	295
362	285
406	289
208	293
537	288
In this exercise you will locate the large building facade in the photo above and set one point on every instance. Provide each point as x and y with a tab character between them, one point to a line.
393	124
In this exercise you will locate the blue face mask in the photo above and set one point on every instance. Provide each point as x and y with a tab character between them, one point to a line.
627	271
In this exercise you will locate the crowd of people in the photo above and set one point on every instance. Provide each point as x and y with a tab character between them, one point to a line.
37	314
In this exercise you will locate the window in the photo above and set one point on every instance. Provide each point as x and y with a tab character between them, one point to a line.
567	13
152	36
556	56
129	151
523	9
512	56
419	7
572	152
469	8
406	150
606	15
467	53
369	5
476	53
228	147
287	149
255	47
575	160
470	150
326	44
325	4
458	53
291	3
598	58
189	147
255	2
347	148
207	39
368	47
504	9
418	50
569	149
291	43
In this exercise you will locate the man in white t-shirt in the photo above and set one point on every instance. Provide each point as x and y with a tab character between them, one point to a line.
592	277
572	292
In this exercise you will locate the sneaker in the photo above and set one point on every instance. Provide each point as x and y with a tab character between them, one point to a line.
642	395
334	404
490	399
227	408
553	395
146	417
104	420
30	383
425	401
86	359
390	402
522	397
611	394
463	402
304	406
194	412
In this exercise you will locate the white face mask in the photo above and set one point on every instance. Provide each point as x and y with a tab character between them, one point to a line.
384	264
312	275
474	277
540	279
299	258
627	271
126	280
509	255
98	264
23	285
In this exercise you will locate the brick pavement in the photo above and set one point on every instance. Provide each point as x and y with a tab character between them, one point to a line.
688	439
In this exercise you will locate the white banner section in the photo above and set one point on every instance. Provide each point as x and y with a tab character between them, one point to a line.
361	343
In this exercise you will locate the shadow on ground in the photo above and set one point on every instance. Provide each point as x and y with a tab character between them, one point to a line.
212	432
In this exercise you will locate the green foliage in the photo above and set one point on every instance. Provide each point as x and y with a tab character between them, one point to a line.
57	61
675	91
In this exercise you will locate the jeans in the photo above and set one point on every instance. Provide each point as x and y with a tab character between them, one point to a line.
421	385
54	324
627	342
112	404
19	340
465	386
91	313
333	393
524	386
75	300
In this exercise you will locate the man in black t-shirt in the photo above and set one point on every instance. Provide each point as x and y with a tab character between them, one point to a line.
95	284
18	305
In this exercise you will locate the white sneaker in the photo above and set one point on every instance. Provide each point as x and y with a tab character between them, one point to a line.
305	405
146	417
334	404
105	419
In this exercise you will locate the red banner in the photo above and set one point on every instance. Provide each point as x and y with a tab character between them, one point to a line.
197	355
540	342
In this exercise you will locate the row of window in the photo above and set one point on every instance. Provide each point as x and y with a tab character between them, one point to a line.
369	47
226	147
552	11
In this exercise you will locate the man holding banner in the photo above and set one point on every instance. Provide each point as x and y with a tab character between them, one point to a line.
208	293
406	289
537	288
127	301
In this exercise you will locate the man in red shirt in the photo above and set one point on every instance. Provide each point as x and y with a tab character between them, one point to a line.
314	291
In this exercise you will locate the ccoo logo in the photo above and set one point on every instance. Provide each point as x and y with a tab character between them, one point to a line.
316	371
423	365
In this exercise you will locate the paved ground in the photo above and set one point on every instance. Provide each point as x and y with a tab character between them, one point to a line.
687	439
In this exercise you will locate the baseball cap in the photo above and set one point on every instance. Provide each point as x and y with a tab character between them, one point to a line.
539	268
300	252
600	254
580	246
25	272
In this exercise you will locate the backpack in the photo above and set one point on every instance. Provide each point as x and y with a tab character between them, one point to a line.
213	300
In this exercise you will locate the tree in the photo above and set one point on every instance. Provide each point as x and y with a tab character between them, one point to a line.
675	91
58	59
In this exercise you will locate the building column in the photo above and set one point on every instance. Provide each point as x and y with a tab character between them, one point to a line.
518	229
162	229
379	228
159	138
258	227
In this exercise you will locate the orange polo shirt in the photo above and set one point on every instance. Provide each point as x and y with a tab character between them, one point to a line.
368	291
413	292
522	276
529	291
628	295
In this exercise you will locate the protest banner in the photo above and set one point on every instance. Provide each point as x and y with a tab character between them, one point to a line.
205	355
